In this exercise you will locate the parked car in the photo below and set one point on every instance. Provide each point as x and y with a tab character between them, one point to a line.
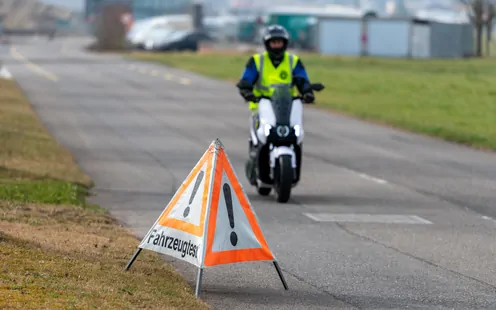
141	30
156	36
181	40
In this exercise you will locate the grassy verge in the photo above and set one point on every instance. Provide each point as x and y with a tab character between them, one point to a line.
450	99
57	252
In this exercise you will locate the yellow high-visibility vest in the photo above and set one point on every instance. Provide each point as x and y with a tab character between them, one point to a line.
269	76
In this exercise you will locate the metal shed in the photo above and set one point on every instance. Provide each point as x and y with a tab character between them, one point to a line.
393	37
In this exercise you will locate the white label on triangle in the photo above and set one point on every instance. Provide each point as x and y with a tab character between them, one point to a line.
176	243
246	238
183	206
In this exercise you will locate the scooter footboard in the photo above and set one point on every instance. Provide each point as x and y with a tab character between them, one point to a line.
278	151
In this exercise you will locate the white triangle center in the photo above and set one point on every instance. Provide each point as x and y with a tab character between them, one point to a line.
242	235
189	205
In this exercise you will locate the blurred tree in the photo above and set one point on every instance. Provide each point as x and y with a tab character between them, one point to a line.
482	13
489	26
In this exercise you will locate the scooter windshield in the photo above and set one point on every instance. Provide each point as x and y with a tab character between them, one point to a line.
282	100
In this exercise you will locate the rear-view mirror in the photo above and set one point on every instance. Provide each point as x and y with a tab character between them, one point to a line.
318	86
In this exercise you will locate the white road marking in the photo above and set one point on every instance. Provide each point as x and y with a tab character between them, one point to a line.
364	176
367	218
185	81
32	66
488	218
371	178
5	74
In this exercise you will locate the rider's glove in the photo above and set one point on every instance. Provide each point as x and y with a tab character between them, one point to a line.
246	90
248	95
308	97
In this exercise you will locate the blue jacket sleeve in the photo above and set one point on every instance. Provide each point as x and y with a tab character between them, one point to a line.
250	74
300	70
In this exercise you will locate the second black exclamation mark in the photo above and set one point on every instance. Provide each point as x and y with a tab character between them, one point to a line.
230	212
195	189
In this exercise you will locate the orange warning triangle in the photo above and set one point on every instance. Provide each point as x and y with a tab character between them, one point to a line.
210	220
233	231
182	212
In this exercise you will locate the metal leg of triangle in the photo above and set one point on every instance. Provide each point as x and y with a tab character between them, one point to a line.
131	261
200	273
198	282
281	276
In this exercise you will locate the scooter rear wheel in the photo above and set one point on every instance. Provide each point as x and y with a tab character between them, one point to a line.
264	191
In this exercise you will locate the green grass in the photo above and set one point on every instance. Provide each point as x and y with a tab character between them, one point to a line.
451	99
33	166
56	251
47	192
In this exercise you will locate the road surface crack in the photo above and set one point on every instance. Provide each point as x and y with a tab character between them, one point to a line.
425	261
320	288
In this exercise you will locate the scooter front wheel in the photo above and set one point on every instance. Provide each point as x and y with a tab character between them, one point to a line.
283	178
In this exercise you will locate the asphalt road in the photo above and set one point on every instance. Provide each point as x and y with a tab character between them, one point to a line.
137	129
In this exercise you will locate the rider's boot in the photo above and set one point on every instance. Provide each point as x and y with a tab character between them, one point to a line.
252	147
250	163
252	150
252	154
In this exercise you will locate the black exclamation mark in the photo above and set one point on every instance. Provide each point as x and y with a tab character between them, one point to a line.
230	212
195	189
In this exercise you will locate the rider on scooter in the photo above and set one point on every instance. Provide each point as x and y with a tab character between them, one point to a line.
278	67
276	61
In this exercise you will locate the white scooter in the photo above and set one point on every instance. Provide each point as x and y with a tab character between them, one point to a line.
276	143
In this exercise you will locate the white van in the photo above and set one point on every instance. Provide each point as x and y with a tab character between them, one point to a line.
139	32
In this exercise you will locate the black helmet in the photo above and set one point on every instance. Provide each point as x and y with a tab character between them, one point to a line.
276	32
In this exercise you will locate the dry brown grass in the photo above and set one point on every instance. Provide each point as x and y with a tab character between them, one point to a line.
67	257
28	151
56	252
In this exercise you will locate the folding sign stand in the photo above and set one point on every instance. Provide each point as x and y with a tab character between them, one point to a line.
200	273
210	220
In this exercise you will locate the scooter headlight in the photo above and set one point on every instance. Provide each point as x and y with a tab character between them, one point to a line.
267	129
297	130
